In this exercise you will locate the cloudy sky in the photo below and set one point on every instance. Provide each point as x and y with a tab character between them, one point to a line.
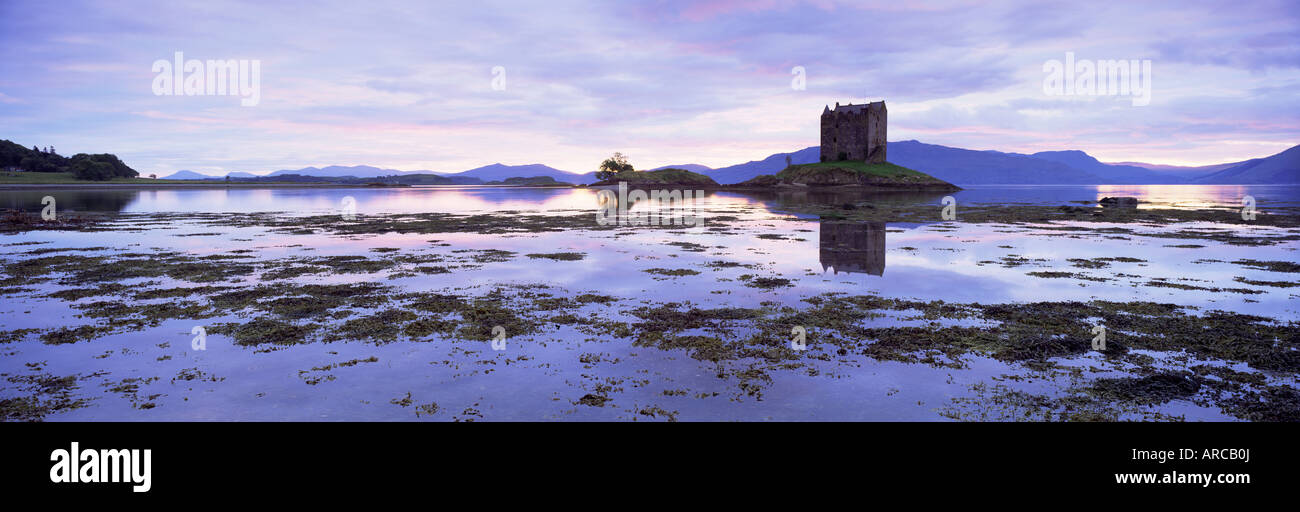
410	85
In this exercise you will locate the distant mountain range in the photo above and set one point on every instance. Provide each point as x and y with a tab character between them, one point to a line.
339	171
1281	168
696	168
476	176
971	167
499	172
1182	171
954	165
770	165
189	175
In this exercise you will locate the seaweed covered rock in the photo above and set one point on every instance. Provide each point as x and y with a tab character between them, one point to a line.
1118	201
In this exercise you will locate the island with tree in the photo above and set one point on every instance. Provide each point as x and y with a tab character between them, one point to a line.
616	169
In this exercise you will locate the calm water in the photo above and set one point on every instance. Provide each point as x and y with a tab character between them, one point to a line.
487	199
925	262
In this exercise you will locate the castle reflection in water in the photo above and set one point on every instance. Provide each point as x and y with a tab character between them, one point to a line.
853	247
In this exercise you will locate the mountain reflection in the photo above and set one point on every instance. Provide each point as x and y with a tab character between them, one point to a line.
853	247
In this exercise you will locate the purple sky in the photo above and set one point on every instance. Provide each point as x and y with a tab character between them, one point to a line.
408	85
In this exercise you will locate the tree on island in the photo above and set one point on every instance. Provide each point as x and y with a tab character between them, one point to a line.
612	166
86	169
100	167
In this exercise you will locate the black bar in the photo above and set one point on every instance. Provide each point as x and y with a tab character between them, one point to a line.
1005	460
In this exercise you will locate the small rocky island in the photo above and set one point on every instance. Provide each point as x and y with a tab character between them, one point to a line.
668	178
849	174
852	155
535	181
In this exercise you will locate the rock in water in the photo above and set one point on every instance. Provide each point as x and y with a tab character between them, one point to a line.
1119	201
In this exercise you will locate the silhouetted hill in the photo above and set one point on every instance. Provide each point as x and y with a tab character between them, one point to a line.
770	165
1113	174
695	168
188	175
954	165
970	167
500	172
1280	169
339	171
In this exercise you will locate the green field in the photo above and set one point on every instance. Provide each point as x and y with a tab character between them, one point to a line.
884	170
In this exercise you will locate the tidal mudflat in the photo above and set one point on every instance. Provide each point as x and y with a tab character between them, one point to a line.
479	303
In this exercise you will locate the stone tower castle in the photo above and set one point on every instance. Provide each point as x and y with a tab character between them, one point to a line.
854	132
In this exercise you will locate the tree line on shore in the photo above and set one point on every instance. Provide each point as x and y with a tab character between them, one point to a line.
83	166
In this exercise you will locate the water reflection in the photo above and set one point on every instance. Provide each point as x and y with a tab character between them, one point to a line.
853	247
69	200
312	201
657	207
1176	196
785	198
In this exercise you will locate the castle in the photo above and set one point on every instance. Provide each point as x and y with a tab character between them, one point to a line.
854	132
